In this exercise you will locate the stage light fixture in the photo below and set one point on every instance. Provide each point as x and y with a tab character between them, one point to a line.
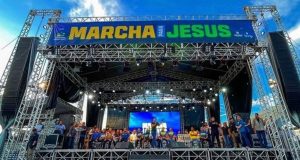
93	102
115	109
193	107
113	91
91	96
194	89
216	94
100	92
208	102
150	107
172	107
98	102
165	108
146	110
213	100
257	53
99	105
157	107
210	89
80	92
137	64
161	110
101	109
205	91
94	91
158	91
143	108
136	107
134	90
124	107
171	90
147	91
224	89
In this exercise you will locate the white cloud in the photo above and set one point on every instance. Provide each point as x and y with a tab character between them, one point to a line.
294	32
284	6
94	8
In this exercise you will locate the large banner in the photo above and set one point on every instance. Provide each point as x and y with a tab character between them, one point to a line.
181	31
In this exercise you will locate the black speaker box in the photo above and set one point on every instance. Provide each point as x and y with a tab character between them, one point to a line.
124	145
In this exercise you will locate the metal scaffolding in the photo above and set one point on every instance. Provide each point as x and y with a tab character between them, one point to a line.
273	102
34	97
49	58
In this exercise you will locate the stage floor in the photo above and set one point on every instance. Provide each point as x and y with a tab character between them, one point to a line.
161	154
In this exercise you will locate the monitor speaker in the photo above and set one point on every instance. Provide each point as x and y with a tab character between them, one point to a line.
124	145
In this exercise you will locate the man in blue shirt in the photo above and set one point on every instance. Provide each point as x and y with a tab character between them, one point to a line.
39	127
59	129
242	127
125	135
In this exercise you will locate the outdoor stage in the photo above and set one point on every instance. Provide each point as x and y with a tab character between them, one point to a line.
176	154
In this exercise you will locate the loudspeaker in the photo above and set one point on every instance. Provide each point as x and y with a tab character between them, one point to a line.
177	145
19	73
124	145
286	73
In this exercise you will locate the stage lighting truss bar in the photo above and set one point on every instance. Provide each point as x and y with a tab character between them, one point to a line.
150	52
179	153
233	71
146	18
197	96
67	71
175	85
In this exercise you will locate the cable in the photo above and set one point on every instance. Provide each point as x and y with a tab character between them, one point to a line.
9	43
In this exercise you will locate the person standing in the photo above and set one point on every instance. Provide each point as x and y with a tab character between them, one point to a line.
242	127
154	125
82	135
39	127
194	137
71	136
60	129
259	129
32	143
214	132
233	133
226	138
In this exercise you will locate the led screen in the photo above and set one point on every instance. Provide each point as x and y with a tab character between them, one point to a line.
143	120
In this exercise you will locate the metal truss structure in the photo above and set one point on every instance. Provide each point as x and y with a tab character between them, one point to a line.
49	58
273	102
34	97
149	52
176	154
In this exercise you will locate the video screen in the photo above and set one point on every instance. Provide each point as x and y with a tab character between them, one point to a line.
165	119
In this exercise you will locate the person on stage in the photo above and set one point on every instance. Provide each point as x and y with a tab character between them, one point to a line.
242	128
162	137
194	136
154	125
133	138
139	138
214	126
171	135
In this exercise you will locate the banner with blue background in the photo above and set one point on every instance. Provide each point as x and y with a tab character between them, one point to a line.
181	31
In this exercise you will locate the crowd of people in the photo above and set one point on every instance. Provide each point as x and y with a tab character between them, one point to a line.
236	133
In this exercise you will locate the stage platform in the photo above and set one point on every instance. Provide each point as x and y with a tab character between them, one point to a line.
159	154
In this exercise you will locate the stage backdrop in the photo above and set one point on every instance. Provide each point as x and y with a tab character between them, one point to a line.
172	31
166	119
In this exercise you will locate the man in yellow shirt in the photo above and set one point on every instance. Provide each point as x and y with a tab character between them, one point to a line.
194	135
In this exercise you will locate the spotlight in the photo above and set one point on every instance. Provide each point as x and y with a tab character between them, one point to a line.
99	105
136	107
194	89
150	107
143	108
183	106
134	90
257	53
205	91
100	92
210	89
193	107
224	89
98	102
216	94
94	91
101	109
213	100
161	110
115	109
90	96
137	64
157	107
208	102
147	91
80	92
171	106
124	107
171	90
113	91
165	108
146	110
93	102
157	91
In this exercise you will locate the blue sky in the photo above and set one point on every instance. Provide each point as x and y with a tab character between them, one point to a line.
14	12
